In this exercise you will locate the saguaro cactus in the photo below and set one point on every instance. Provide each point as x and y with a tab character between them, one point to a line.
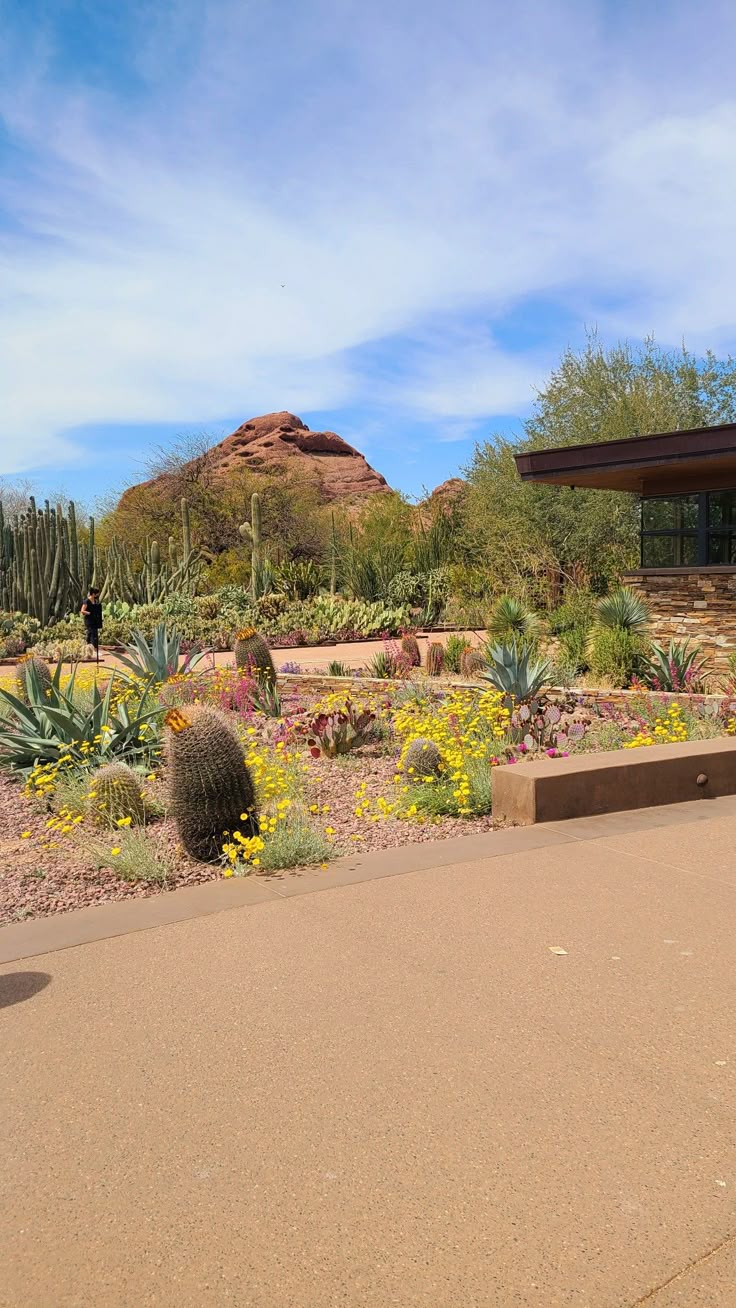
251	532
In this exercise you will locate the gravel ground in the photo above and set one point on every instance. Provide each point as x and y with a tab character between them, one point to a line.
37	882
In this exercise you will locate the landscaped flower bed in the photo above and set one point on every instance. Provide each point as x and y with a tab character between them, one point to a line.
353	766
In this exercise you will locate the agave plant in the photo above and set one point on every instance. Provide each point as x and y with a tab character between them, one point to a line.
680	667
623	608
300	579
513	671
513	622
52	725
158	660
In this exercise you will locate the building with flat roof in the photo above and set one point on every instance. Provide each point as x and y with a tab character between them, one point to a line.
686	484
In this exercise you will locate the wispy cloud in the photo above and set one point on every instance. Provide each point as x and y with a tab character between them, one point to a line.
243	206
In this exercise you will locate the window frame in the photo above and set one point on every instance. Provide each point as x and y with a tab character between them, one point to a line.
702	533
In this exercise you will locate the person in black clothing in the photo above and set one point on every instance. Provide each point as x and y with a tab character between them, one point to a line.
91	611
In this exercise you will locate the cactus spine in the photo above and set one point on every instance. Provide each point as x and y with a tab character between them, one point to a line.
423	758
27	666
410	647
471	662
435	659
253	655
115	793
211	790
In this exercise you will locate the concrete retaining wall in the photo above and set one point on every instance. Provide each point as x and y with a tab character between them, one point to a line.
550	790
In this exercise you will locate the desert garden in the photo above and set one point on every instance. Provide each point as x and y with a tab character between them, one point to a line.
289	675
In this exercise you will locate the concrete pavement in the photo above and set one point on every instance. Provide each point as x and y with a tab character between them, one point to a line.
505	1081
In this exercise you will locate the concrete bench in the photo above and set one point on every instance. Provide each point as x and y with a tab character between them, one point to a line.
586	784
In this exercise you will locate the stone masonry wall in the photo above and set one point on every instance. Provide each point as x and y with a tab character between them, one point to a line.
699	606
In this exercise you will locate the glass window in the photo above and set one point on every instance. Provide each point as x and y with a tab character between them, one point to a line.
722	509
672	513
675	551
722	547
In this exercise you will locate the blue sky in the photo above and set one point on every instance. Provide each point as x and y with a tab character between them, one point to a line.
389	218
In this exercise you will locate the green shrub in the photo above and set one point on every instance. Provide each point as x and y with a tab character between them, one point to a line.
616	654
133	856
454	650
578	610
337	669
296	842
574	646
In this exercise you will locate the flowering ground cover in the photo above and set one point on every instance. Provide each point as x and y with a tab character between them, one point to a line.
93	814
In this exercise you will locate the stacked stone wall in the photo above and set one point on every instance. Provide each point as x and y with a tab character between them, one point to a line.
699	606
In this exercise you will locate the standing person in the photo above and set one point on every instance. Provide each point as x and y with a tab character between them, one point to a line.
91	611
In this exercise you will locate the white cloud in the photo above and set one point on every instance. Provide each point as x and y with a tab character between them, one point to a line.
229	238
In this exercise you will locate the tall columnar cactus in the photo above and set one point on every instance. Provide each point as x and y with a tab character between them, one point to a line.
253	655
115	795
410	647
251	533
211	790
27	665
423	758
435	659
333	555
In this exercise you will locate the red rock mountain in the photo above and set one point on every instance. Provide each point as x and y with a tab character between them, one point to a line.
283	440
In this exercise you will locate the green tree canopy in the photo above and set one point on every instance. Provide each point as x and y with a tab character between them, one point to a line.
518	532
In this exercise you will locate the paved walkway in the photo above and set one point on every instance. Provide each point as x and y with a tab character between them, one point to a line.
510	1080
354	654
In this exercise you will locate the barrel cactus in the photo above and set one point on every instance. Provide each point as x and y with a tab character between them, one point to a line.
423	758
471	662
253	655
114	795
23	680
410	647
211	791
435	659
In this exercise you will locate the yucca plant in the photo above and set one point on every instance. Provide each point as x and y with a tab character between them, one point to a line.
679	667
512	622
52	725
623	608
513	670
158	660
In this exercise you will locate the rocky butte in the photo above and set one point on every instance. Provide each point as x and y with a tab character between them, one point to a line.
281	440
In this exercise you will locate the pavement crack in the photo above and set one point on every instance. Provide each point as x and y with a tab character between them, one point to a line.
696	1262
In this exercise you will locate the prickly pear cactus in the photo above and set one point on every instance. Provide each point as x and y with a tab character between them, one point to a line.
211	791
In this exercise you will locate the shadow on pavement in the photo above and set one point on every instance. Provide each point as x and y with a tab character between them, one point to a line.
16	987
